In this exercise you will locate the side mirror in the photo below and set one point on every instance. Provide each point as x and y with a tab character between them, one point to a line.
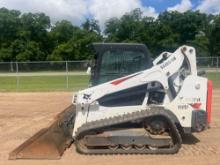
88	70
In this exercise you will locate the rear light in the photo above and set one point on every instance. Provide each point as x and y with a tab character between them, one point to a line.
196	106
209	100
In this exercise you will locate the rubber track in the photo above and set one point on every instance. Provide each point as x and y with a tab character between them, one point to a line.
113	121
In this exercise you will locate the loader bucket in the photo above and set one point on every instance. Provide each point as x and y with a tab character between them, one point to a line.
51	142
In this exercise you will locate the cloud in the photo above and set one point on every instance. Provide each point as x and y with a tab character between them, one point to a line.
183	6
149	11
102	10
77	10
209	6
72	10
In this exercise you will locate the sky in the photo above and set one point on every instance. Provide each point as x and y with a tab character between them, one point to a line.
77	11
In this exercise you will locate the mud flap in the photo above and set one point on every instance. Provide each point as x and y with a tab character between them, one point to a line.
51	142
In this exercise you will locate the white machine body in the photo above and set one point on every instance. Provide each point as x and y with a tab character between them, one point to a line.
175	73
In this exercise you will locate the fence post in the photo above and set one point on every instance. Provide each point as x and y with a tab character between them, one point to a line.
218	63
17	76
67	76
11	67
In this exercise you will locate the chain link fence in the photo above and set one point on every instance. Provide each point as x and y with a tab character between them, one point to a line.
211	66
69	75
43	76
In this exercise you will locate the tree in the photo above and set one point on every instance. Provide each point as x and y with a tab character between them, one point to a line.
91	26
31	37
215	36
35	28
5	54
202	44
125	29
62	32
133	27
9	25
77	48
159	37
186	24
27	51
111	30
81	41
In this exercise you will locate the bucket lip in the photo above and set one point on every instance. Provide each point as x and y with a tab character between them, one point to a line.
16	152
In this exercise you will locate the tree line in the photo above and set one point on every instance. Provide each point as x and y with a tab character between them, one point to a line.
32	36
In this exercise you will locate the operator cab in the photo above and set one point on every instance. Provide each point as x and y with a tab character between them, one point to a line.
114	60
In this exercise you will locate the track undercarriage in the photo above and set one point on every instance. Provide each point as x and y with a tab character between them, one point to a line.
134	133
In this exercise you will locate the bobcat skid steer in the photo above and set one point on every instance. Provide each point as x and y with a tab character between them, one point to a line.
134	106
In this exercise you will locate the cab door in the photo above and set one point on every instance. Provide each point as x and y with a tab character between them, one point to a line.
119	60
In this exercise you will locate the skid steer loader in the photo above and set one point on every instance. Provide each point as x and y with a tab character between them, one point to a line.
133	106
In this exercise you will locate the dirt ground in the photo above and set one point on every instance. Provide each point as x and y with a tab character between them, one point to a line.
23	114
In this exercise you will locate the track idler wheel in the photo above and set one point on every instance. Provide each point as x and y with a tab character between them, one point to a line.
139	147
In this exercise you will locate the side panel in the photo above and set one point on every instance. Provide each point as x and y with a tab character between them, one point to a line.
192	97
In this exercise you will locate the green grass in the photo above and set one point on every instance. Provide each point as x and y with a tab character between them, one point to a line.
43	83
58	82
215	77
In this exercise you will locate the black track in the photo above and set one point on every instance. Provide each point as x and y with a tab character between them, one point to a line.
104	124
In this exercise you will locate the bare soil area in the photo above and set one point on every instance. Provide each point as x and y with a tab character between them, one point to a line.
23	114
